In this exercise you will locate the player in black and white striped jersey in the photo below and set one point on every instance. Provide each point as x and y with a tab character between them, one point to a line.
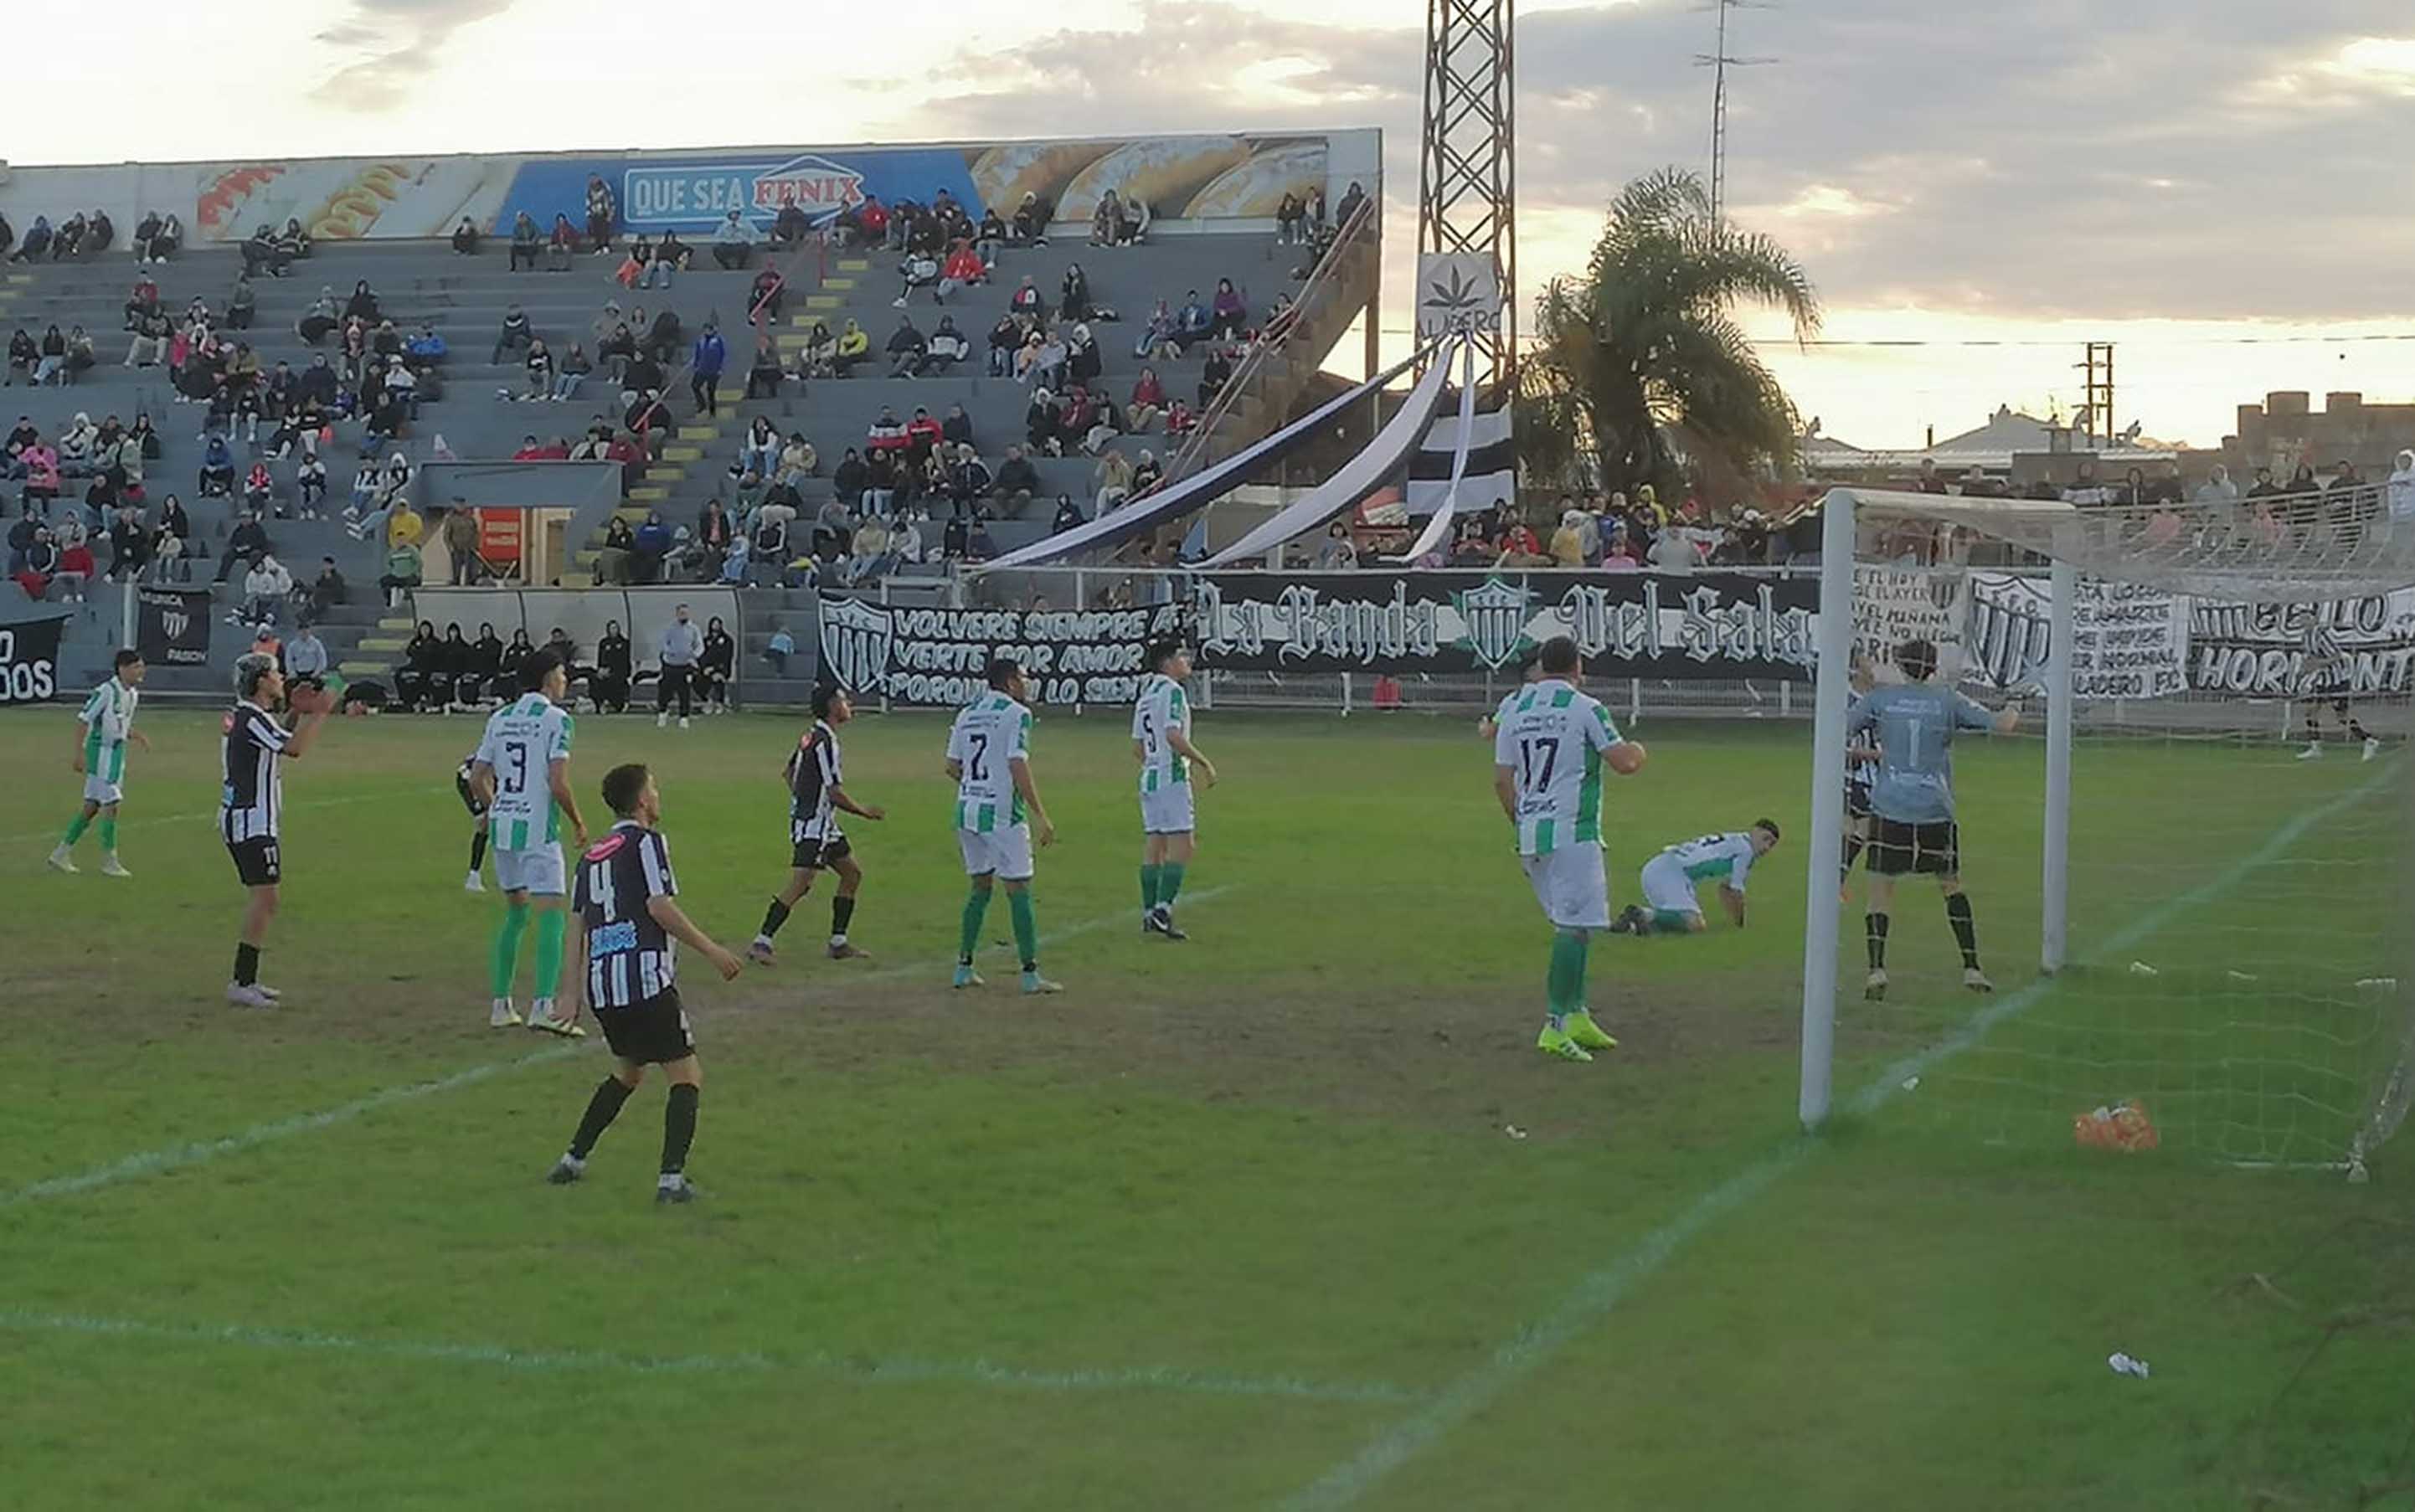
252	802
623	960
816	797
2327	662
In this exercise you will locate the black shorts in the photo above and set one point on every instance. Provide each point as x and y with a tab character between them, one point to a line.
651	1033
1857	801
468	795
256	861
1897	847
810	854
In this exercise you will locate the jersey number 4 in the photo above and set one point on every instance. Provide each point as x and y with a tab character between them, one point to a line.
1536	761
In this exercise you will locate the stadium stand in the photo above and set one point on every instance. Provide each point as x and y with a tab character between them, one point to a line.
476	404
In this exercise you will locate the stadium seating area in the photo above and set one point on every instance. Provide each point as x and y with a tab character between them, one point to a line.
478	410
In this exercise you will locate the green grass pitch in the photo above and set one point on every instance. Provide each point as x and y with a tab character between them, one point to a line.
1238	1223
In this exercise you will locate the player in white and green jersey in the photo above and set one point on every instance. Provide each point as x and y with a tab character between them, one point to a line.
1547	765
523	774
1670	905
1170	768
997	810
107	720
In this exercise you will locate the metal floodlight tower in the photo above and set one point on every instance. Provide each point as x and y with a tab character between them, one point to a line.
1718	61
1467	172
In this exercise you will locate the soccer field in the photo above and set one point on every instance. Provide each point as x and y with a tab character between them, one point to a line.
1290	1216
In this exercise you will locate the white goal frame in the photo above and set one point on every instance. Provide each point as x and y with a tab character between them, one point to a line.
2065	535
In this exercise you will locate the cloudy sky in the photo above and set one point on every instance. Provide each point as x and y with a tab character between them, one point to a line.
2174	175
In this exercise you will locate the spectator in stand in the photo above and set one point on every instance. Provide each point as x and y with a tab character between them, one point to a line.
422	679
1672	551
969	481
1147	402
923	433
732	241
1018	481
1351	199
705	363
765	297
560	245
1083	361
265	589
539	367
1030	223
652	543
963	269
320	318
603	212
791	226
945	348
328	590
1068	515
306	654
465	236
673	254
1048	364
573	366
1039	424
217	467
798	460
919	270
23	355
362	305
886	434
906	348
1337	553
33	564
1228	312
402	565
1214	376
1073	295
54	360
242	302
665	338
515	334
1158	337
1568	541
1146	474
1025	302
37	241
259	489
1194	323
614	670
1113	477
1291	220
526	240
714	666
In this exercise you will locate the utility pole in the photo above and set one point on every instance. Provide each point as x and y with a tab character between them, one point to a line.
1718	60
2098	366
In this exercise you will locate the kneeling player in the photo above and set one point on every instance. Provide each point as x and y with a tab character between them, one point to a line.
1547	764
816	799
1670	906
623	963
1161	738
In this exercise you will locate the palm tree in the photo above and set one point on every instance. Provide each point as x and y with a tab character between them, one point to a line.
1641	366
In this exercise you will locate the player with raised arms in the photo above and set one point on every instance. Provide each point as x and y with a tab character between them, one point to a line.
624	963
1670	905
999	814
1161	743
108	721
521	774
816	797
1547	763
1912	800
252	802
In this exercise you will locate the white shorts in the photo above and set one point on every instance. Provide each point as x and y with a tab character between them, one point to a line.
1570	885
99	790
536	870
1667	889
1168	810
1005	853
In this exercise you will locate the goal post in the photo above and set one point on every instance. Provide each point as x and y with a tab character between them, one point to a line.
2216	917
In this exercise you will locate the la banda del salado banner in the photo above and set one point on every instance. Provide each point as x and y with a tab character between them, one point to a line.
1672	625
29	660
936	656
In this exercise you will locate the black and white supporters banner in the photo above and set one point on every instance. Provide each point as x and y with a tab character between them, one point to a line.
1492	474
29	660
936	657
171	628
1692	625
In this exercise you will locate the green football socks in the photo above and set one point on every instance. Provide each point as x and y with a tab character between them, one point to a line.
109	833
552	927
1027	927
1564	988
75	828
1169	882
1672	921
975	906
1149	883
507	947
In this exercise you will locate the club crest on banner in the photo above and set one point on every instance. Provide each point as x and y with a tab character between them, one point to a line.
856	640
1493	621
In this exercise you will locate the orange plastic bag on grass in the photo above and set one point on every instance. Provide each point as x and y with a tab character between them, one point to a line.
2125	1126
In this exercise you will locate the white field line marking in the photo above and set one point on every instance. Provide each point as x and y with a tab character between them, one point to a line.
1599	1293
144	821
176	1157
888	1371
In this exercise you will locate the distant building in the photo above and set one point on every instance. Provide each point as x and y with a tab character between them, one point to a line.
2286	430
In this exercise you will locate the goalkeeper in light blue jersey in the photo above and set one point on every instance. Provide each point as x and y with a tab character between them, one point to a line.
1912	800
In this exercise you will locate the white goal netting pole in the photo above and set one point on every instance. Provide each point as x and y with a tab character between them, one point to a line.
1824	905
2054	920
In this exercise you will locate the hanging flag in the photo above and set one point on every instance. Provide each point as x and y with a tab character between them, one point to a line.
1491	469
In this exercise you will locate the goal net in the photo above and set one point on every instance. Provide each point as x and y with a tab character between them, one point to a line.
2188	872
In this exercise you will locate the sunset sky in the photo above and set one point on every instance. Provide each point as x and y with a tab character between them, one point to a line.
2176	176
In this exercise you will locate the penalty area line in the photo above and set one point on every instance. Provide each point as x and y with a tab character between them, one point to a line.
882	1369
177	1157
1600	1292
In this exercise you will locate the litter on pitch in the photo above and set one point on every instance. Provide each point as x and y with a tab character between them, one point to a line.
2126	1364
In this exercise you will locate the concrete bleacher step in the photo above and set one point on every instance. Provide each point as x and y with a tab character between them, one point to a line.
703	432
682	454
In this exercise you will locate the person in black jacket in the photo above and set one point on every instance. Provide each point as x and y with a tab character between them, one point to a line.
459	670
511	669
612	669
423	669
713	666
489	647
362	305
